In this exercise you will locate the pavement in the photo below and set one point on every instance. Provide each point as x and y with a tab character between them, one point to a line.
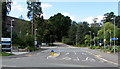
65	56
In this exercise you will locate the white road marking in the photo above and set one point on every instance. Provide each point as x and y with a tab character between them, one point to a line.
78	59
66	53
8	66
83	53
67	58
86	58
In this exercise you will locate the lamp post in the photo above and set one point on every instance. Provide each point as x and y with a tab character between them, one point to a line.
94	38
104	36
35	38
110	37
90	39
114	35
11	32
76	39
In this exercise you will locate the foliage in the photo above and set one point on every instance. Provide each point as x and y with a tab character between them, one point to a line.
6	8
108	27
5	54
61	25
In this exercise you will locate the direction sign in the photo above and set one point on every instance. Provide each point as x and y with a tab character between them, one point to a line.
6	44
114	38
5	39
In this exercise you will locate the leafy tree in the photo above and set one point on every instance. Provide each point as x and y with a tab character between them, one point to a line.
72	33
108	27
108	17
61	25
87	39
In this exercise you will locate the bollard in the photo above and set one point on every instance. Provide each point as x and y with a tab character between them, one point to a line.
52	52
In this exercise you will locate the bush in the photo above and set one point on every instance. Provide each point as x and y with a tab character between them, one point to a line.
98	47
92	47
32	49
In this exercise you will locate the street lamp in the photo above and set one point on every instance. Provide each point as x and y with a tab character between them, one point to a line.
35	38
104	36
11	32
94	38
114	34
110	37
90	39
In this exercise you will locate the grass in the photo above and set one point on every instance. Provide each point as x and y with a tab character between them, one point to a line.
5	54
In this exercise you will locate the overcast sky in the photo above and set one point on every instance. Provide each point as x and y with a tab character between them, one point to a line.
77	11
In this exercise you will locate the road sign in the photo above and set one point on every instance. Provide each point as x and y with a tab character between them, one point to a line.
5	39
6	44
114	38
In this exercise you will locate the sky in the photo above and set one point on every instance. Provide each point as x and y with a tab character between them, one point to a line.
77	11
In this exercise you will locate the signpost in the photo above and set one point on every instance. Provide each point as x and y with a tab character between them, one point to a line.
6	44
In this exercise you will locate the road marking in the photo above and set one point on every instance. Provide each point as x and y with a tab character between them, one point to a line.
66	53
83	53
104	60
67	58
8	66
78	59
86	58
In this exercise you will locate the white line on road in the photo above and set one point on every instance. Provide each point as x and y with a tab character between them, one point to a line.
8	66
86	58
66	53
78	59
67	58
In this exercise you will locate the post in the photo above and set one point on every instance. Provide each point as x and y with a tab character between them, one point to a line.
104	37
94	37
90	39
35	37
110	37
11	33
76	39
114	36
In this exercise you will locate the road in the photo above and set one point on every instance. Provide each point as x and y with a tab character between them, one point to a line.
67	56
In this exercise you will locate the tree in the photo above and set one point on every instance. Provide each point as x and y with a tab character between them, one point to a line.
6	8
108	27
108	17
72	33
87	39
61	25
35	11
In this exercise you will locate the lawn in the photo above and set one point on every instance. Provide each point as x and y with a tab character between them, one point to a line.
5	54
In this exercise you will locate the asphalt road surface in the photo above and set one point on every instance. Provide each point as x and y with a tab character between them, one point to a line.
67	56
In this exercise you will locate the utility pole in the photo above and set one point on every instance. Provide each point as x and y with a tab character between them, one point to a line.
90	39
114	36
11	32
110	37
76	39
104	36
94	38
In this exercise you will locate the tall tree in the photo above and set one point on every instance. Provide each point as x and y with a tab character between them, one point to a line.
61	25
34	12
6	8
